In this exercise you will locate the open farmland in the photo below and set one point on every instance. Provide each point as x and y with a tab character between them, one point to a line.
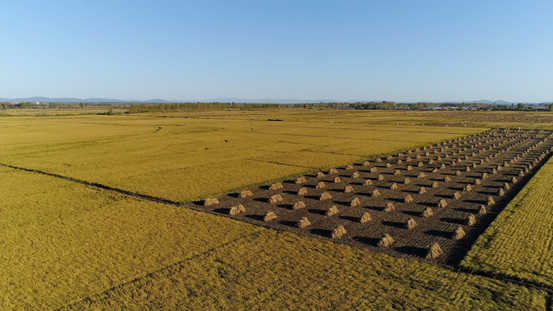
465	174
77	244
189	157
519	243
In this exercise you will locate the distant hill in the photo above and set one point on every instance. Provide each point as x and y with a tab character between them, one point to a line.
226	100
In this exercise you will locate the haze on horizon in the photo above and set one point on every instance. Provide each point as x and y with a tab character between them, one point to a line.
305	50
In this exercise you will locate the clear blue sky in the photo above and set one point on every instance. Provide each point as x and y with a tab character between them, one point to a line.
361	50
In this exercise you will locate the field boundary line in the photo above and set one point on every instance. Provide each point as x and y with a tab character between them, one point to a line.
90	298
96	185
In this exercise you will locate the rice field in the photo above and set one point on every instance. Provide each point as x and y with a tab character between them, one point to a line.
519	243
74	245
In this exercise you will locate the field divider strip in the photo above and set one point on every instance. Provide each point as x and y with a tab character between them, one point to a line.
253	235
96	185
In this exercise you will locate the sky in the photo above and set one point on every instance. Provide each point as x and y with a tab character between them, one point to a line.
306	50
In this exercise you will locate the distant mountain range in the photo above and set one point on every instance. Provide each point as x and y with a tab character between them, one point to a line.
225	100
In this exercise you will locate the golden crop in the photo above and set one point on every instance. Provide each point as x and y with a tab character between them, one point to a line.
519	242
70	246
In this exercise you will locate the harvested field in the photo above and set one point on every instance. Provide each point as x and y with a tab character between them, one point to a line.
494	156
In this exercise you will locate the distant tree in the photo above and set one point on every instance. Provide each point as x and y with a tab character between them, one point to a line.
520	106
551	107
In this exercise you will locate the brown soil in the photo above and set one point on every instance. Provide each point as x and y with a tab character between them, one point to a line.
439	228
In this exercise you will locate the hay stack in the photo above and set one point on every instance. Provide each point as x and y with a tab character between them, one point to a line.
500	192
410	224
320	175
302	191
338	232
418	156
275	199
422	190
333	171
355	202
367	182
298	205
366	163
477	182
506	186
484	175
431	161
434	251
456	195
355	175
467	188
467	169
269	216
320	185
409	168
442	203
373	170
337	180
332	211
389	158
459	233
482	210
365	218
420	164
491	201
378	160
276	186
406	181
235	210
375	193
427	212
245	193
349	167
301	180
304	222
211	201
474	165
458	173
494	171
447	179
380	177
388	165
471	220
408	199
399	162
435	184
389	207
325	196
348	189
386	241
397	172
408	159
393	186
442	166
514	180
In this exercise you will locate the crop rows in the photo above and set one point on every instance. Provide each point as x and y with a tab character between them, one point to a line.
431	202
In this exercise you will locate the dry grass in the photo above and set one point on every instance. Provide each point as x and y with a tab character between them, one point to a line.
386	241
235	210
339	232
434	251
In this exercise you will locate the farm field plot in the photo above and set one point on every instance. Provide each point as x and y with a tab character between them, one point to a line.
61	241
402	194
190	157
519	243
282	271
69	246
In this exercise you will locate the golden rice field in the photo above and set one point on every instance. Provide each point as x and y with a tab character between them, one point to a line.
186	158
65	245
519	243
69	246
